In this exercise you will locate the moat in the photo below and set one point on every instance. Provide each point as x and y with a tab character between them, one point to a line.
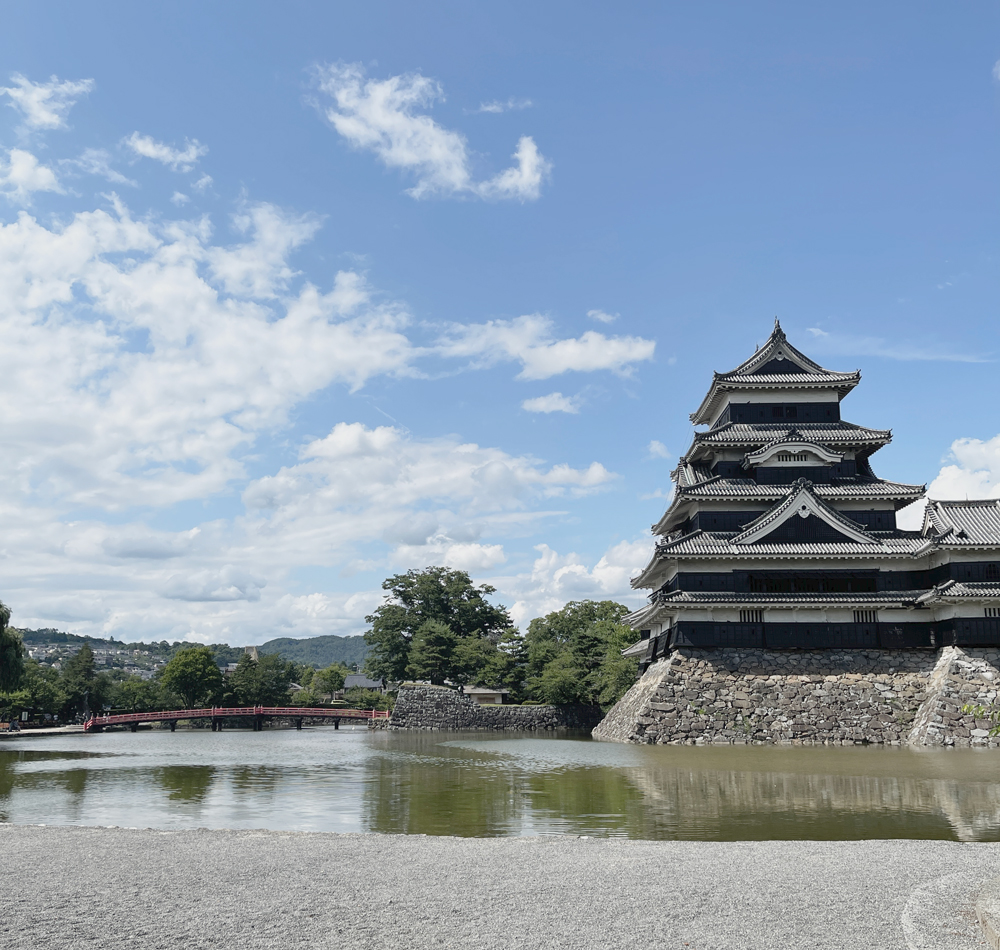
354	780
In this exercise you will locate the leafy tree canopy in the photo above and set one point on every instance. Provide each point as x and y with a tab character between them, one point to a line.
11	654
261	682
435	594
194	676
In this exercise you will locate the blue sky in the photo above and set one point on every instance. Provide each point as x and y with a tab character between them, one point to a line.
294	296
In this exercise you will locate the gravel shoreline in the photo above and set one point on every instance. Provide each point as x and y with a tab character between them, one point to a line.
78	887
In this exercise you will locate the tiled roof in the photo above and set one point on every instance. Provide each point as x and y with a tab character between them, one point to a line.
776	349
786	379
957	523
719	544
883	597
747	488
760	434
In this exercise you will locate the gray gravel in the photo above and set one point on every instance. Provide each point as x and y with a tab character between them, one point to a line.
118	888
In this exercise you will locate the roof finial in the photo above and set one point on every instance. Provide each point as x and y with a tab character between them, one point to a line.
777	326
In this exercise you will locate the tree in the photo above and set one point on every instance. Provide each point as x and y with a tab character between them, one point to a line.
416	597
136	695
193	675
85	690
261	682
330	680
432	653
574	654
11	654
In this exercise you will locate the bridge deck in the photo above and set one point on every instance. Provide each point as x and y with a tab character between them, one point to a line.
220	712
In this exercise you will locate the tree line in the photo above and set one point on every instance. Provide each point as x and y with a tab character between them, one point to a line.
191	679
434	625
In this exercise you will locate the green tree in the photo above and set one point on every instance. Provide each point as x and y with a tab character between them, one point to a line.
11	654
432	653
357	698
329	680
261	682
416	597
85	690
193	675
135	694
574	654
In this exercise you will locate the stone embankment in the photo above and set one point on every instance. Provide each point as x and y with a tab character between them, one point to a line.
893	697
434	708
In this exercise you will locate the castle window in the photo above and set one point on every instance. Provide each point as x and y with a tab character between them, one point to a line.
751	616
993	611
792	457
866	616
993	572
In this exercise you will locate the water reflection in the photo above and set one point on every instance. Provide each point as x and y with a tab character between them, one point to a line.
324	780
186	783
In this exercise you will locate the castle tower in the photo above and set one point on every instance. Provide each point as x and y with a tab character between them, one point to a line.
780	535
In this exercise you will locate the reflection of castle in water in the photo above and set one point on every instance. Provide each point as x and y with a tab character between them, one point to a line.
880	806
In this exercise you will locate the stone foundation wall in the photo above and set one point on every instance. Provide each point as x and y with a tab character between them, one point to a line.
442	708
837	697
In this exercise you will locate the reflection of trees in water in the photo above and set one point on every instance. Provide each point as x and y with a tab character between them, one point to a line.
442	796
585	800
259	781
186	783
731	805
6	782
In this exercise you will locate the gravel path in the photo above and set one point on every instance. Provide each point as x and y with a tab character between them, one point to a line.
117	888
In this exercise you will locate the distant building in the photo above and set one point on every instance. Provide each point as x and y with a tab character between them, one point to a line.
360	681
486	696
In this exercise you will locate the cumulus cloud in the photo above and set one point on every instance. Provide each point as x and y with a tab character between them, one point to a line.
21	175
553	402
601	317
384	117
555	579
657	450
44	105
529	341
178	160
495	106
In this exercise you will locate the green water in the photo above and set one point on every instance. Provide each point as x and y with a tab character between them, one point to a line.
475	785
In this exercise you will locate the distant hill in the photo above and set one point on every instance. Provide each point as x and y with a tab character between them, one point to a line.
319	651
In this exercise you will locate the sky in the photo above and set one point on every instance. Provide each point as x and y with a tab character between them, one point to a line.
297	296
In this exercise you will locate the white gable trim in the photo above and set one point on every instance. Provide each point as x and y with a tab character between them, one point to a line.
802	504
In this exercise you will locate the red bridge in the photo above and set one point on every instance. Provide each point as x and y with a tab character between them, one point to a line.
217	713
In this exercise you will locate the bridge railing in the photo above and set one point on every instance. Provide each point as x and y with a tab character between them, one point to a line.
219	712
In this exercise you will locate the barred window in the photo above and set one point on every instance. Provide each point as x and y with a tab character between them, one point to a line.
792	457
866	616
751	616
993	611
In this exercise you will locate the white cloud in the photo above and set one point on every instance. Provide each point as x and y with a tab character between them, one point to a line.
179	198
837	344
602	317
382	116
657	450
97	161
45	105
203	184
553	402
178	160
22	175
996	70
259	267
528	340
555	579
94	419
496	106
